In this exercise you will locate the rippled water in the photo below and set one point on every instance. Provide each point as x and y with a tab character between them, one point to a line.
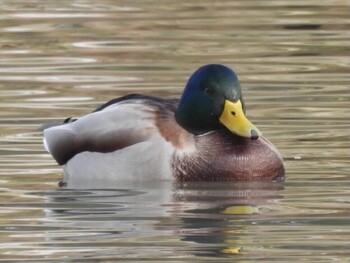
64	58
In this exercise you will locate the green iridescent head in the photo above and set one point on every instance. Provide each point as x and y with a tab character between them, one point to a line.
213	100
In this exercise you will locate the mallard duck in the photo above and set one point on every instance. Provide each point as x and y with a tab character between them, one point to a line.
204	136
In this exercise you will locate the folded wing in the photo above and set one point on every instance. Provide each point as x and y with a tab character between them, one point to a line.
115	125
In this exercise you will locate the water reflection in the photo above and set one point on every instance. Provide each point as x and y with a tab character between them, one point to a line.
214	217
64	58
218	216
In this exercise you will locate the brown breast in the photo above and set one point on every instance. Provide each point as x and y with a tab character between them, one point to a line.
222	156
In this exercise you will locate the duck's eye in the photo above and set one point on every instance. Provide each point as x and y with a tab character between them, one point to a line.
209	90
233	113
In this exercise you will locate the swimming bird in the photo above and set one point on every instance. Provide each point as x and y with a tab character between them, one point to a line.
203	136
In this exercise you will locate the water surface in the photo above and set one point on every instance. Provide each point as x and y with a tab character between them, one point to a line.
64	58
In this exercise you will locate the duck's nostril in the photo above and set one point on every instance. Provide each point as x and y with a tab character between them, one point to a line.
254	135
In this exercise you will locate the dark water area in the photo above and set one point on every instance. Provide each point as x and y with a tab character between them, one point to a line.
65	58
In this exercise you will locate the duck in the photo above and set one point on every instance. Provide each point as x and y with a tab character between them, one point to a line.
203	136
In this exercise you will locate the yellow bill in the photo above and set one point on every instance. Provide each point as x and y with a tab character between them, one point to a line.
234	119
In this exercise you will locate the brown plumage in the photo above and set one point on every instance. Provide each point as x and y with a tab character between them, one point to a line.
223	156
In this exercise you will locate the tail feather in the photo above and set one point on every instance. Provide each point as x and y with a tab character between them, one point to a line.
61	142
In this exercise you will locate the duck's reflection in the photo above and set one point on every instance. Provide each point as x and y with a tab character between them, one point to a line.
206	219
219	215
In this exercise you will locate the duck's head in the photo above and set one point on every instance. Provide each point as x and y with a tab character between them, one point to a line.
212	99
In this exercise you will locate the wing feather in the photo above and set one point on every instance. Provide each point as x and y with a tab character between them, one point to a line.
113	127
